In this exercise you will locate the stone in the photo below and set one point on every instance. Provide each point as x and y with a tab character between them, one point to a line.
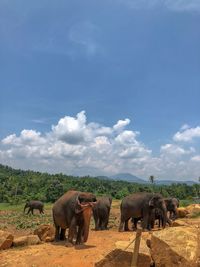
122	255
182	212
45	232
193	208
6	239
176	247
26	240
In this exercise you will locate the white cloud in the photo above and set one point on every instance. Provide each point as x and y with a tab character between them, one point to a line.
75	146
173	149
121	124
196	158
187	135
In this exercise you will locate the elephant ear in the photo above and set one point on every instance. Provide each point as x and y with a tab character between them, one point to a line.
153	200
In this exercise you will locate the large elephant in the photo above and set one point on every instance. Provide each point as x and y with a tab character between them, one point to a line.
34	204
140	206
73	210
172	204
101	212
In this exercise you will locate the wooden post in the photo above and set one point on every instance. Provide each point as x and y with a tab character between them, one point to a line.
136	248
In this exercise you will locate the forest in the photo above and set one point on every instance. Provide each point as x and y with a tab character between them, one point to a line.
18	186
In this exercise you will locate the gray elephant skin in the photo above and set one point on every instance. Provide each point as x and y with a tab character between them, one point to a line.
172	204
34	204
101	213
140	206
73	210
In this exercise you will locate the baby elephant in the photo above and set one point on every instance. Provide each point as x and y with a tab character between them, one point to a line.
34	204
101	212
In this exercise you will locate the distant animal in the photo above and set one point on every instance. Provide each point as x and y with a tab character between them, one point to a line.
101	212
172	204
73	210
34	204
139	206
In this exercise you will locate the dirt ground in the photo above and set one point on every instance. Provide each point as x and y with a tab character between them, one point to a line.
99	244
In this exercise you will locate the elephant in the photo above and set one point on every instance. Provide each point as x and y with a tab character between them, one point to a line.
172	204
140	206
101	212
73	210
34	204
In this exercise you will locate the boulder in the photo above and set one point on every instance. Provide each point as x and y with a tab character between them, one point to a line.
193	208
122	255
176	247
182	212
45	232
26	240
6	240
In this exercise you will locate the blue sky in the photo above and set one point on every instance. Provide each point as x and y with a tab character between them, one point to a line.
131	71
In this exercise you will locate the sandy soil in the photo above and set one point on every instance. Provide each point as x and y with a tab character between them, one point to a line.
99	244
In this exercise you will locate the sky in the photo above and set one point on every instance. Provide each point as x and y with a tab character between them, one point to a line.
101	87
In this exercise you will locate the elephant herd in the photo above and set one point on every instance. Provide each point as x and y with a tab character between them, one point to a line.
74	209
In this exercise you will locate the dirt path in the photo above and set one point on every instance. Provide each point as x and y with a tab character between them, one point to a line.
58	255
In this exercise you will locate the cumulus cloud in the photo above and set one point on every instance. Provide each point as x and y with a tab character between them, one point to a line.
187	134
75	146
173	149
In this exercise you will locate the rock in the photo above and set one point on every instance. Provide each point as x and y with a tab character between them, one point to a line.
6	240
193	208
26	240
122	255
176	246
182	212
45	232
179	223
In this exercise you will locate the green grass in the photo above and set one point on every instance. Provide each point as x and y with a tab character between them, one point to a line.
13	215
20	207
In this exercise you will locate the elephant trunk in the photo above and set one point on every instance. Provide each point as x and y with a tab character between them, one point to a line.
86	216
165	219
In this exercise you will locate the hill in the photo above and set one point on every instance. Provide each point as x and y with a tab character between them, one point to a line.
17	186
128	177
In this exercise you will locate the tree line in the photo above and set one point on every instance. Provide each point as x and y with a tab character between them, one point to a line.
17	186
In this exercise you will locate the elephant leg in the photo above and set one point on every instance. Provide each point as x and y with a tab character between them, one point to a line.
79	235
101	224
126	225
57	233
121	225
32	211
96	221
28	211
106	222
145	223
72	230
62	234
135	221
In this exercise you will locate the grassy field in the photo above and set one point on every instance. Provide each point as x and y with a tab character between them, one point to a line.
13	218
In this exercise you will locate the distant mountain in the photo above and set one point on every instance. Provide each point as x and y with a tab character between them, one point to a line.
134	179
128	177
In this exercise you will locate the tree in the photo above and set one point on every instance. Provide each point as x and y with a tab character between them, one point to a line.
151	179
